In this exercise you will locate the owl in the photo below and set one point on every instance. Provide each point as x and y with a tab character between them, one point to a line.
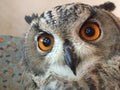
74	46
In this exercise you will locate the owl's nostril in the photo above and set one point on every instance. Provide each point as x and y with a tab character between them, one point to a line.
67	43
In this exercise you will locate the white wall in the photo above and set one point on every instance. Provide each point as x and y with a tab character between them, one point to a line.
12	12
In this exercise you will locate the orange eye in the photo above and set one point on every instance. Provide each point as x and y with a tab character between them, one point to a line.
90	31
45	42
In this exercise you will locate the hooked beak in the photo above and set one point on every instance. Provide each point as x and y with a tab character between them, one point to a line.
70	58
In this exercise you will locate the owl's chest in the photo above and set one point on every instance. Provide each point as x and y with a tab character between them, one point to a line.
56	83
53	82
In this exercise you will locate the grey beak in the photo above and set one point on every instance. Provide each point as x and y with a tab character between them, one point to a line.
69	59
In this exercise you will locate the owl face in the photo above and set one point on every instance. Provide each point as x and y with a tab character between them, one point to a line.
69	40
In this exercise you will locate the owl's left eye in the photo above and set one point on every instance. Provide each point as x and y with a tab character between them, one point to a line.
90	31
45	42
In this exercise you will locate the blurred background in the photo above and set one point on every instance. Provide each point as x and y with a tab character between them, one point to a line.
12	12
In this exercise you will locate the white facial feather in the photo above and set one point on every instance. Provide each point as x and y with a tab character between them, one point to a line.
56	60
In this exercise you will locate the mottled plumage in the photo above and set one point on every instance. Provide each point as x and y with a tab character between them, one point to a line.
73	47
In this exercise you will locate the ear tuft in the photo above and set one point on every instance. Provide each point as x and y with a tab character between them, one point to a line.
29	19
109	6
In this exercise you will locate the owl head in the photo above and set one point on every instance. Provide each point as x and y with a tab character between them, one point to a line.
69	40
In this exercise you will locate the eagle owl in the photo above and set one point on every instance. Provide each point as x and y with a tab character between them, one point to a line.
73	47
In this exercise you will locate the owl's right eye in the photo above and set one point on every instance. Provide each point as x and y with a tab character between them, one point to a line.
45	42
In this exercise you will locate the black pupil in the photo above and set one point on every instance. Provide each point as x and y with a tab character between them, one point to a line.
89	31
46	41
